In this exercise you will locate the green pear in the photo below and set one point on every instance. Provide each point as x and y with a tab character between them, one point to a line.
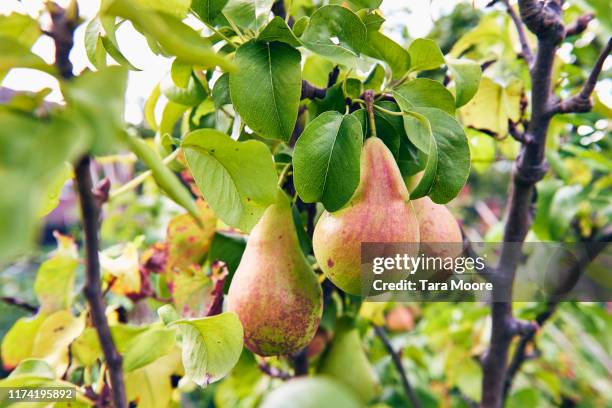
379	211
346	361
274	291
312	392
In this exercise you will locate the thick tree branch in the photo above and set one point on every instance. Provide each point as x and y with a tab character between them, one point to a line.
581	102
92	289
399	366
544	20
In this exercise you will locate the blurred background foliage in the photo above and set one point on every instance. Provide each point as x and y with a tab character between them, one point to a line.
440	343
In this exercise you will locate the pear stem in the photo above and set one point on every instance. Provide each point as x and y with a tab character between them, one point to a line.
368	97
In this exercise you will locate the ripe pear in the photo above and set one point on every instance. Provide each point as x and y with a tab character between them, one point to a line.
379	211
346	361
274	291
440	233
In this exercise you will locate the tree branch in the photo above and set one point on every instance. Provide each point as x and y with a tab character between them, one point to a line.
92	290
273	371
581	102
520	29
578	26
21	304
544	20
397	361
64	23
310	91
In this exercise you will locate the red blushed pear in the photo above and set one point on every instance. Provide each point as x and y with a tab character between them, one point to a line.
440	234
274	291
379	211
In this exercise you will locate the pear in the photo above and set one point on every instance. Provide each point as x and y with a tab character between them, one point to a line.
274	291
346	361
379	211
440	233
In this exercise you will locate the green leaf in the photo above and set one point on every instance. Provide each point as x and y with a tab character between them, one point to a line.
173	35
208	10
278	30
316	70
541	223
266	87
176	8
425	55
375	78
237	179
389	128
96	100
420	135
211	346
312	392
221	91
326	160
452	153
190	95
54	190
55	278
32	157
336	33
466	75
228	248
117	55
423	92
164	177
563	209
20	27
17	55
250	14
32	367
148	347
149	108
93	44
385	49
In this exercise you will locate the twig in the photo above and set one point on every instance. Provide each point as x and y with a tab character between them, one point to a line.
520	29
64	23
92	290
582	101
138	180
21	304
397	361
310	91
300	362
273	371
579	25
368	97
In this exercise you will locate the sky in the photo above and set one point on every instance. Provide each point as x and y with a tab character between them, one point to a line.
133	45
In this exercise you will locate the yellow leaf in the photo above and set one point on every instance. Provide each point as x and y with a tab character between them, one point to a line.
18	342
54	336
150	386
124	267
